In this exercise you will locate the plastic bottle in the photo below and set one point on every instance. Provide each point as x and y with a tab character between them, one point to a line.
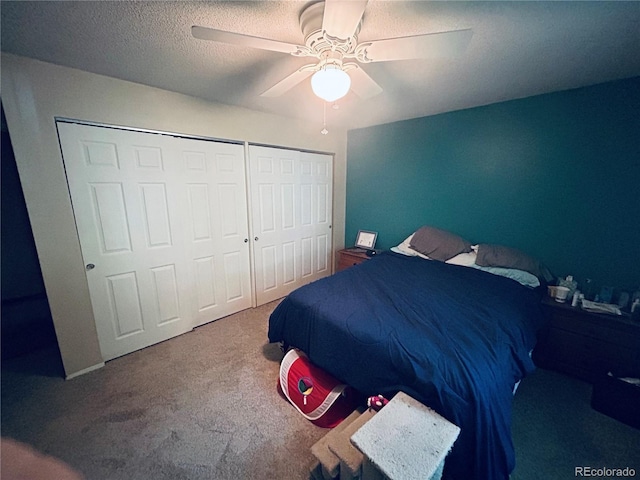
635	309
575	300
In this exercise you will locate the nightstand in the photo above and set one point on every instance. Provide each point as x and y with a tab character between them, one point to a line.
588	345
350	257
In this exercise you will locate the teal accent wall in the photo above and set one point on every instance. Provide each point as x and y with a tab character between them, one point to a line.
555	175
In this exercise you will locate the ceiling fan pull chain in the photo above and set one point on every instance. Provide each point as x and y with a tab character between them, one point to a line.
324	130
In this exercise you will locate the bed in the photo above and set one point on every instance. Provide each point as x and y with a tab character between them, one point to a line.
455	338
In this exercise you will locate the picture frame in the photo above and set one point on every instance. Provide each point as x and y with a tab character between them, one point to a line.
366	239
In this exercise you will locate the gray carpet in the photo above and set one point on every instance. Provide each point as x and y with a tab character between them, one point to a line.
204	406
200	406
555	430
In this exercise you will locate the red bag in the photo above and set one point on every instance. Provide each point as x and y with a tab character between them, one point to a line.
318	396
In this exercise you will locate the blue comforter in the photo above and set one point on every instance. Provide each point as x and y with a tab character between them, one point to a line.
455	338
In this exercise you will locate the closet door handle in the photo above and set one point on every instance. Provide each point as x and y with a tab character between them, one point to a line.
246	240
90	266
256	239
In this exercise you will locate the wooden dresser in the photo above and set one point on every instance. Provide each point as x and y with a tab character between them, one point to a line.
350	257
588	345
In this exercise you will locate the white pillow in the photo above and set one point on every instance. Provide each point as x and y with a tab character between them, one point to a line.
405	249
464	259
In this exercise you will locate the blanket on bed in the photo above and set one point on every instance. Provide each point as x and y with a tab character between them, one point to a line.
455	338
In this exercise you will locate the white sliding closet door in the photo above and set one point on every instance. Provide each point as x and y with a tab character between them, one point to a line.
162	224
218	228
291	194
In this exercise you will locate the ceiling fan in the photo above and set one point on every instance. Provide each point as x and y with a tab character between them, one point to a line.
330	29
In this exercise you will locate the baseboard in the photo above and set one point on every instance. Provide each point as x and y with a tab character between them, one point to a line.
85	370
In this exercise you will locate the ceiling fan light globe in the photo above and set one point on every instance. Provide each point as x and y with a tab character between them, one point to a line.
330	84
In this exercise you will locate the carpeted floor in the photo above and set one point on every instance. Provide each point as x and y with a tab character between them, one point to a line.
204	406
555	430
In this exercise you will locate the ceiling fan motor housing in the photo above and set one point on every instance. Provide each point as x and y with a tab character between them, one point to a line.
319	43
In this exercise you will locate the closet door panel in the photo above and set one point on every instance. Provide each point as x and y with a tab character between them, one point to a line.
218	250
291	209
125	189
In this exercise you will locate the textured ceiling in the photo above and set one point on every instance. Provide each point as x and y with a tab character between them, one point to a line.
518	49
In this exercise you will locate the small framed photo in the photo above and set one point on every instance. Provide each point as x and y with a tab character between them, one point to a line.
366	239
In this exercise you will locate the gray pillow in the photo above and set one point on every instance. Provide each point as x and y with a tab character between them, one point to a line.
507	257
438	244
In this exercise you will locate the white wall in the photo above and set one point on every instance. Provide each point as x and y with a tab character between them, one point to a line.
34	93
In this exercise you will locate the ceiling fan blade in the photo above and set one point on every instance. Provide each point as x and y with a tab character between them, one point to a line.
431	45
361	83
206	33
342	17
290	81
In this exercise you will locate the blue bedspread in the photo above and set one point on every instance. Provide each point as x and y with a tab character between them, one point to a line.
455	338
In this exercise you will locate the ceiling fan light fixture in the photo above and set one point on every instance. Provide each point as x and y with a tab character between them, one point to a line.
330	83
